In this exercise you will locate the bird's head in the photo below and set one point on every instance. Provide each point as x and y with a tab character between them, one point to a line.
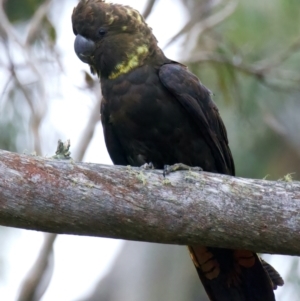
113	39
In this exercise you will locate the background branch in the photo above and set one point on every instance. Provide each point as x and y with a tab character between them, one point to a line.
284	81
148	9
37	280
209	21
130	203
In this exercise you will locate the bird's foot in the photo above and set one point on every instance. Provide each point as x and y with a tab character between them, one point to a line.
179	166
148	166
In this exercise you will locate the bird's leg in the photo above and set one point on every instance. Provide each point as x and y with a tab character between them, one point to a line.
179	166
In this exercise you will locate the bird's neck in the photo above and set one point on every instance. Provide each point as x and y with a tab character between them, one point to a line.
129	56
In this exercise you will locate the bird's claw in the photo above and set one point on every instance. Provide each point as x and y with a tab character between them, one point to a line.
179	166
148	166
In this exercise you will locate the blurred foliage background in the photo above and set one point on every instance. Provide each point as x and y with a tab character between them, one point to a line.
246	52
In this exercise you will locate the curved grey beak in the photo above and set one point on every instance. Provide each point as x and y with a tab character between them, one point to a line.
84	48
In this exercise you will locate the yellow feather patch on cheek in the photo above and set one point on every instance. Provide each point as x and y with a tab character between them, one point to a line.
142	50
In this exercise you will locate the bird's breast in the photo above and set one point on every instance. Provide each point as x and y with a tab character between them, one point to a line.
138	101
151	125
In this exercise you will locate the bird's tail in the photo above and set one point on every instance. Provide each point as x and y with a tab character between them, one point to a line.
234	275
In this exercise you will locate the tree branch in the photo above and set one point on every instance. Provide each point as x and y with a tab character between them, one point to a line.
38	279
148	8
208	22
260	72
131	203
36	282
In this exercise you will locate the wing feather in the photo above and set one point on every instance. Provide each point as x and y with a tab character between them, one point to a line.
196	99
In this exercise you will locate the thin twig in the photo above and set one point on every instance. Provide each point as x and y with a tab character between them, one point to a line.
88	132
6	27
33	287
148	8
208	22
259	72
5	87
279	58
36	115
197	13
10	33
35	23
37	108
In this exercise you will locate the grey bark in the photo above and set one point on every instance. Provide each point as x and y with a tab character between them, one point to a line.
131	203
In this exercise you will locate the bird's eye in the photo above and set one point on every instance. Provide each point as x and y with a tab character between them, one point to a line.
101	32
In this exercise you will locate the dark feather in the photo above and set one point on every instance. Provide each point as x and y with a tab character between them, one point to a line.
155	110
